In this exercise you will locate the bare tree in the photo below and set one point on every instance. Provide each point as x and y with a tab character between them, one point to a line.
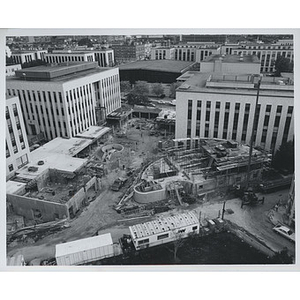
177	243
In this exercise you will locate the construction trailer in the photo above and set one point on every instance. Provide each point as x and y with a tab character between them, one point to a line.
85	250
164	230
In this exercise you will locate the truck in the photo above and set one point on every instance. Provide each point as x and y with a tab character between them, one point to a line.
118	183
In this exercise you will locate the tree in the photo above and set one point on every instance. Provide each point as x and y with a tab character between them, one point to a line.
139	93
173	88
85	42
125	87
284	158
283	64
157	89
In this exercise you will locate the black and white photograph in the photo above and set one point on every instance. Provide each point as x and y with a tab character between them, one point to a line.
149	149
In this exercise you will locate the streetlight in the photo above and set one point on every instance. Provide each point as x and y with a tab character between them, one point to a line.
253	131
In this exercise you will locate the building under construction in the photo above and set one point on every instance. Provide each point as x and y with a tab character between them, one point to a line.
200	168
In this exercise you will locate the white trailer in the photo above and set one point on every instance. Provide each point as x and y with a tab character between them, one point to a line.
84	250
164	230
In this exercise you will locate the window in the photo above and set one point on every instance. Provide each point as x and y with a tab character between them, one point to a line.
195	228
162	236
181	231
10	167
145	241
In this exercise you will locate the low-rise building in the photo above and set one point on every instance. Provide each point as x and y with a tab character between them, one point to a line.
164	230
266	53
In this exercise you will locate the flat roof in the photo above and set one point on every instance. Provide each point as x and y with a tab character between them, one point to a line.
94	132
69	147
13	187
50	71
83	245
197	83
163	225
56	154
232	58
166	65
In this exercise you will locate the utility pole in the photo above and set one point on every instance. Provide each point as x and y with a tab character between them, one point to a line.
252	133
223	210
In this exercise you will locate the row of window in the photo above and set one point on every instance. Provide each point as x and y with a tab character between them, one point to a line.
164	236
65	58
236	113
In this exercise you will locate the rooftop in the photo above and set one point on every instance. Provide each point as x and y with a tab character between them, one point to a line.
83	245
163	225
58	72
56	154
94	132
235	84
233	58
158	65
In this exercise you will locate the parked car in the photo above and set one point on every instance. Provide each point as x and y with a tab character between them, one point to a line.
285	232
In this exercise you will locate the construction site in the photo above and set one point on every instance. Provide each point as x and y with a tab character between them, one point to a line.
127	175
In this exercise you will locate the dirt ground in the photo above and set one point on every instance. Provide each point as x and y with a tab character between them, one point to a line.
100	216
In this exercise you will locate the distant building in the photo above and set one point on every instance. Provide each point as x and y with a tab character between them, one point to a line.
195	52
104	57
21	57
68	56
216	38
129	52
159	53
65	99
163	71
17	148
231	64
10	70
266	53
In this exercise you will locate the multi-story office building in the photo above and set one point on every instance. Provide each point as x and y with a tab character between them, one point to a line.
159	53
68	56
195	52
21	57
65	99
129	52
104	57
17	148
220	105
267	53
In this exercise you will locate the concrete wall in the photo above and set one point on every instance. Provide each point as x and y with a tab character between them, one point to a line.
76	201
25	206
148	197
